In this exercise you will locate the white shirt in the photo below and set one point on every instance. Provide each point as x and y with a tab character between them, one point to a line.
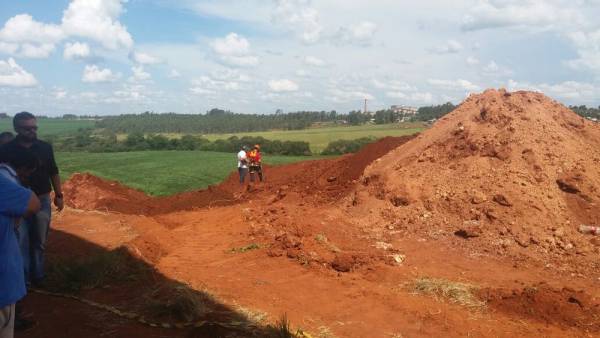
242	159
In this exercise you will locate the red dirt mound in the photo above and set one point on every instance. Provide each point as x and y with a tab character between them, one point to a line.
332	177
88	192
511	171
85	191
322	180
565	307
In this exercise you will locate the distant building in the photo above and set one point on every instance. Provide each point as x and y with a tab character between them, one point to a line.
3	116
405	110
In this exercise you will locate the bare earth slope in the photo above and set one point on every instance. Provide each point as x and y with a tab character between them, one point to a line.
515	171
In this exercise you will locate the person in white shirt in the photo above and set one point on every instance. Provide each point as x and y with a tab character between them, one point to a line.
242	164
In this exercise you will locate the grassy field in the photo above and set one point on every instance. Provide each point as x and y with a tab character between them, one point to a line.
52	126
320	137
160	172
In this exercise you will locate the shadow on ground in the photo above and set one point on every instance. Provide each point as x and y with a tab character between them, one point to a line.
117	278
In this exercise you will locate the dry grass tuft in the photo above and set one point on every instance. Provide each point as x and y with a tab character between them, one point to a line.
455	292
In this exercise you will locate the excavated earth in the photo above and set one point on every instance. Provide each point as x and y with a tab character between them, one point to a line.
492	195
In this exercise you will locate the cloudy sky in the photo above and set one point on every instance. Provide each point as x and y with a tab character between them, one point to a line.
187	56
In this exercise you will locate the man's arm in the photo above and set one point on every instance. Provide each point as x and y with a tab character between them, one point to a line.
55	179
58	195
17	201
33	205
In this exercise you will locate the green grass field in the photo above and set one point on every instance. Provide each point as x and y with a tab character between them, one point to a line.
52	126
160	172
320	137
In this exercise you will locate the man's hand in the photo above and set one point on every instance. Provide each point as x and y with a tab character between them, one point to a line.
59	202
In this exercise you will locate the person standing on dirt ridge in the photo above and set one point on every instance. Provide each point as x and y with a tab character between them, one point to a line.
43	180
242	157
255	163
15	203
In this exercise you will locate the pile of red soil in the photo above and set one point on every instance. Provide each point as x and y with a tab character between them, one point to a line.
320	180
88	192
512	171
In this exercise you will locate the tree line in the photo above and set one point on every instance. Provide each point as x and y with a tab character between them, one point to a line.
86	140
214	121
591	112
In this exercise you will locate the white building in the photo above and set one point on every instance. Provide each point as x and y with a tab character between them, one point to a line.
405	110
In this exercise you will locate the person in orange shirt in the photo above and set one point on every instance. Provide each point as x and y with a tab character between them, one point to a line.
255	164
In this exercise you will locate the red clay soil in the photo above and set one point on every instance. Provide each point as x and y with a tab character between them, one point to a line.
512	173
491	195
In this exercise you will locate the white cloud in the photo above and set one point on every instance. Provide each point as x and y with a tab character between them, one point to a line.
139	74
472	61
93	74
205	85
227	74
450	47
313	61
359	34
531	14
425	97
8	48
283	85
144	58
588	49
496	70
60	94
393	85
23	28
300	17
568	90
459	84
396	95
97	20
40	51
25	37
174	74
13	75
301	73
234	50
76	51
349	95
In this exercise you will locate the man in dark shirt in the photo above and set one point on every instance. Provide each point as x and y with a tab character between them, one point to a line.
33	239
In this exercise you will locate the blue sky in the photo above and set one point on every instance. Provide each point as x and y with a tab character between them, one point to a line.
257	56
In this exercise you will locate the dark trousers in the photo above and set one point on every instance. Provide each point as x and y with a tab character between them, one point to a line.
256	169
243	172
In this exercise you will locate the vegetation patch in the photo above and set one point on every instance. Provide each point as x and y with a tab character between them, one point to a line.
174	302
455	292
95	271
246	248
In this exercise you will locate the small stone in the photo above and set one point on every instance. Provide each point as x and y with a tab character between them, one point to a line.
559	232
383	245
478	198
343	263
399	258
502	200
